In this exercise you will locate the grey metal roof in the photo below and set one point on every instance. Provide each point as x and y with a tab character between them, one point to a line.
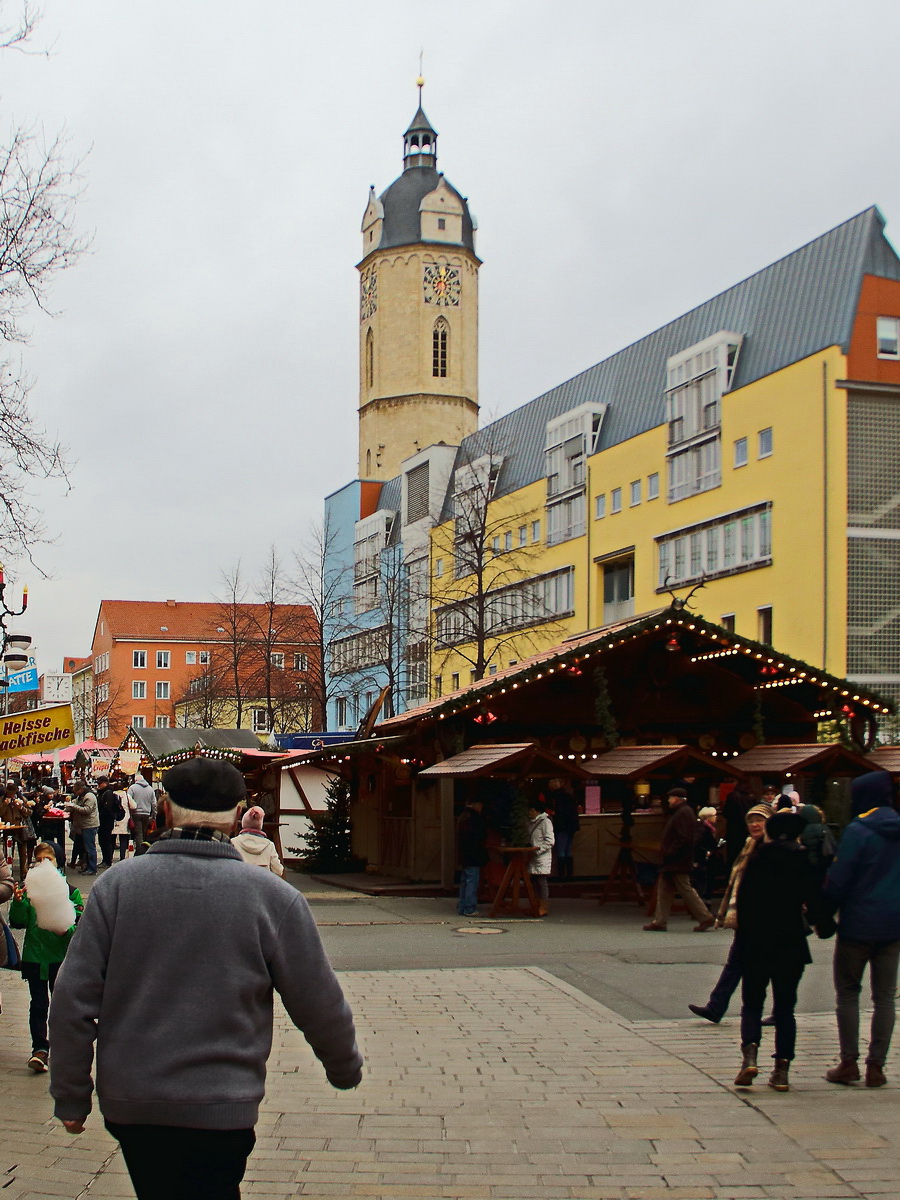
402	224
791	309
159	742
420	123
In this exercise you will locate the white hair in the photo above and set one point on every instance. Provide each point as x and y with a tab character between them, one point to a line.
194	816
705	813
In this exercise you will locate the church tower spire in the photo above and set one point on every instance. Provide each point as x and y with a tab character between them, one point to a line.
418	347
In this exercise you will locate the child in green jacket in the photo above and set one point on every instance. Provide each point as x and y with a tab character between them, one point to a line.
42	955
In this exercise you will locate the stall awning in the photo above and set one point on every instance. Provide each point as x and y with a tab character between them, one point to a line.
828	758
337	751
502	760
640	762
886	758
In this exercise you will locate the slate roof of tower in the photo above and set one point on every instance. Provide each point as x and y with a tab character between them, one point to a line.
793	308
401	209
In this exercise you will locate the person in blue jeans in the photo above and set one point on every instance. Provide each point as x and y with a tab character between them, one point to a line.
471	835
85	815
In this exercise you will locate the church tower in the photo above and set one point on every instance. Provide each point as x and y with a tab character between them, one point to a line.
418	312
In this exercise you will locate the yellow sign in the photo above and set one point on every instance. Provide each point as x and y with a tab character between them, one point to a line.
41	729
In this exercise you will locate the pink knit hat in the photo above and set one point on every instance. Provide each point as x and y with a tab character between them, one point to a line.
253	818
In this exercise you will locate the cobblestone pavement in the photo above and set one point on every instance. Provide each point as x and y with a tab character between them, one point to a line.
504	1083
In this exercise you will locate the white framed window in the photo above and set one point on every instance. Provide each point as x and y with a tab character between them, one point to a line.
139	689
162	722
495	545
653	486
103	728
101	663
600	506
616	500
278	660
162	689
764	443
203	657
138	722
565	519
438	568
887	336
341	711
163	660
523	535
260	719
508	541
102	693
190	658
740	452
727	622
535	531
740	541
139	659
301	662
635	493
454	681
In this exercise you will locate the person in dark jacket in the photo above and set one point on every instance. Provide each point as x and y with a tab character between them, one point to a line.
676	850
818	840
864	883
565	825
737	804
471	834
778	891
109	807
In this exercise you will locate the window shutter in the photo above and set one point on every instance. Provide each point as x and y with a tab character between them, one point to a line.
417	493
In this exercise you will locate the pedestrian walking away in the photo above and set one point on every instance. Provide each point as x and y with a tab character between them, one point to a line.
253	845
110	810
717	1004
120	833
676	850
198	996
144	797
864	884
540	834
85	814
779	894
471	853
44	948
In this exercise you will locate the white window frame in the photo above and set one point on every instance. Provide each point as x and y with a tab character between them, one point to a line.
615	500
301	661
741	452
162	722
163	660
139	660
763	451
887	330
653	486
139	689
277	658
634	491
162	689
190	658
139	722
734	542
203	657
259	724
600	506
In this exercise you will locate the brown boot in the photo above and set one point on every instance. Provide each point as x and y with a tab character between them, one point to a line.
778	1080
542	908
749	1069
874	1075
847	1071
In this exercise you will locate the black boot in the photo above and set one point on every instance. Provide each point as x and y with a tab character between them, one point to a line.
749	1069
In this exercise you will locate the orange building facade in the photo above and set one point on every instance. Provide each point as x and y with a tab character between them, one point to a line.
162	663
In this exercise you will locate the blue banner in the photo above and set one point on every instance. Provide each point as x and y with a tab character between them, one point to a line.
24	681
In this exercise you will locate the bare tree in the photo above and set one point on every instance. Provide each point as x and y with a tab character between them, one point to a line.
490	600
38	191
205	700
236	623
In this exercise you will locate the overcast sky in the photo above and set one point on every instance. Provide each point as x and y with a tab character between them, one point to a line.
625	162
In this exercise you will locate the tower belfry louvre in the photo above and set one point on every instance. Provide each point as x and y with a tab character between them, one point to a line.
418	310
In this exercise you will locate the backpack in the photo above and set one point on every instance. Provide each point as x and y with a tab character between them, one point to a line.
118	807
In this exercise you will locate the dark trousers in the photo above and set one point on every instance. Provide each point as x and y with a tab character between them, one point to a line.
106	842
40	991
850	958
123	840
785	979
140	822
727	983
171	1162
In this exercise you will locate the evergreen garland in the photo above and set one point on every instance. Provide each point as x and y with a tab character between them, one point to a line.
517	831
603	712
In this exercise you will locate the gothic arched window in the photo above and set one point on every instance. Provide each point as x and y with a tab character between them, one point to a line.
368	463
440	348
370	359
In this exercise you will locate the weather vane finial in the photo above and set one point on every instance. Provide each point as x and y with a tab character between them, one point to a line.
420	82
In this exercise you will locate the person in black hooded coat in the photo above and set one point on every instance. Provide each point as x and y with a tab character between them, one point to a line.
778	892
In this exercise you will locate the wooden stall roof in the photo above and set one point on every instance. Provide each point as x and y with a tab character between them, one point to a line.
635	762
886	758
777	760
513	758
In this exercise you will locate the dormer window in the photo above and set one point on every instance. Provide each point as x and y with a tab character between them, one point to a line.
570	439
696	380
888	337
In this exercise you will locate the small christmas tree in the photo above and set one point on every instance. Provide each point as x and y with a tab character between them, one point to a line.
328	845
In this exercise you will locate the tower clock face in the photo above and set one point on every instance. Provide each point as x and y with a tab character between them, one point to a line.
368	293
441	285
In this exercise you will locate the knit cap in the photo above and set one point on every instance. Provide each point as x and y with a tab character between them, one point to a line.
759	810
253	818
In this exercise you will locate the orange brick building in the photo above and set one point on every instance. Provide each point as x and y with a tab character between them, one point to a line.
164	663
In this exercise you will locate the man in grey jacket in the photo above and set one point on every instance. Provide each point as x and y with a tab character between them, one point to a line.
183	1025
144	797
